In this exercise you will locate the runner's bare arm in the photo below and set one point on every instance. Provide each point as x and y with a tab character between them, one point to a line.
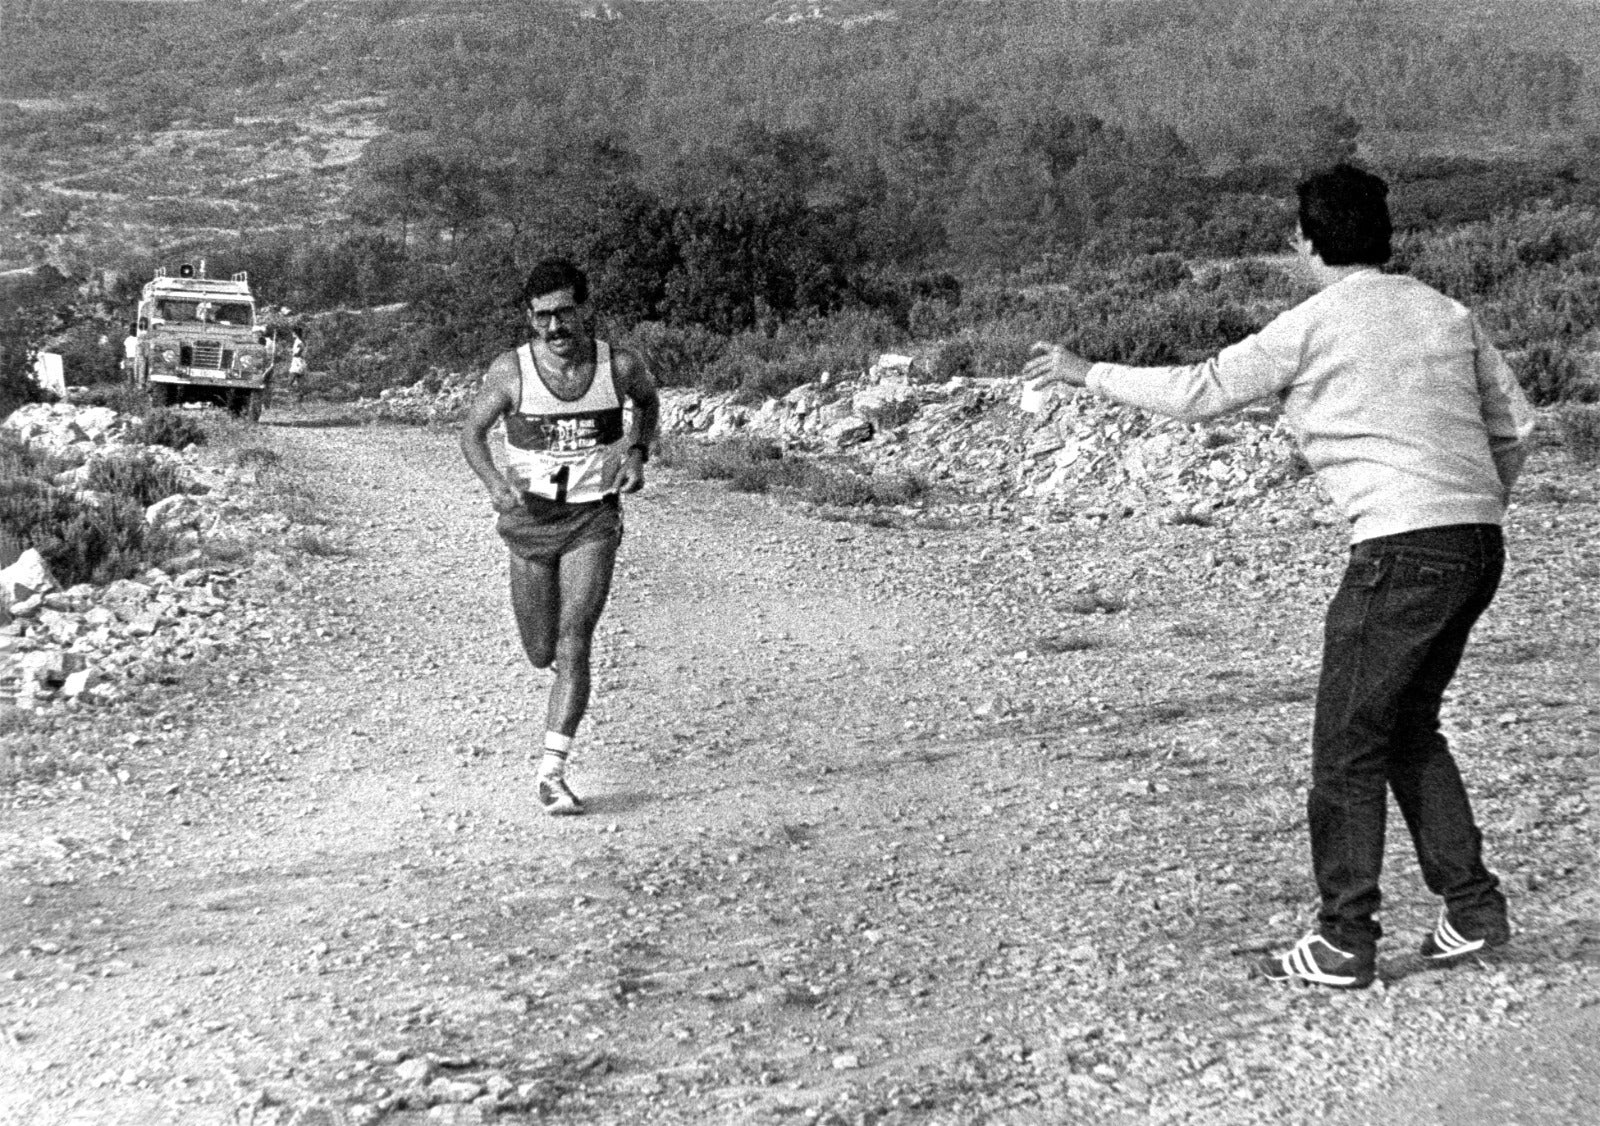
635	383
492	403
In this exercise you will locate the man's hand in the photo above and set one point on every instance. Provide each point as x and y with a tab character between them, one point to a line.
631	479
504	498
1051	363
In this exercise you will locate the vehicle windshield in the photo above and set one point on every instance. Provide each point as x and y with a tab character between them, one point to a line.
206	312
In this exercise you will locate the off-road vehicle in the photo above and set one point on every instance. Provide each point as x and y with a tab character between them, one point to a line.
199	341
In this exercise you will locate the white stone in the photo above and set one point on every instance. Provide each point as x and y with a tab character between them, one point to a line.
848	431
885	405
28	576
890	365
80	683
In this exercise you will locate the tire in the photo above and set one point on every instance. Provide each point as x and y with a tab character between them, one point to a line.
164	395
245	404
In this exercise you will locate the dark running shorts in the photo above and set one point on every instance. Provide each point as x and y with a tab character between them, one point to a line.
543	529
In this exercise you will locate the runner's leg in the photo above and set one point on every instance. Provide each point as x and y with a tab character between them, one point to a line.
584	575
535	604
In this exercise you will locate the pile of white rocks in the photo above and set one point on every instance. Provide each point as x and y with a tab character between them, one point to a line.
1059	450
443	398
87	643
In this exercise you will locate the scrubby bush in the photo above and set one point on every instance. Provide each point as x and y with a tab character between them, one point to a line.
955	359
678	355
758	365
124	398
81	542
748	465
1242	224
256	457
842	487
759	465
1478	259
1156	273
838	488
1553	371
136	475
173	429
1580	432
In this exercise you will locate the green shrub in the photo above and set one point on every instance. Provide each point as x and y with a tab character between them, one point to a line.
1580	433
174	429
844	488
310	541
759	465
1157	273
1240	225
955	359
839	488
138	476
898	488
1476	260
678	355
124	398
740	459
932	317
773	379
81	542
1552	371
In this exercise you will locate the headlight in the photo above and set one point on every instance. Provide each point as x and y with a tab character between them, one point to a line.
247	362
169	357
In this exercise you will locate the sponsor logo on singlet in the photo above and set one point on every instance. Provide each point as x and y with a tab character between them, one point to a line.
564	433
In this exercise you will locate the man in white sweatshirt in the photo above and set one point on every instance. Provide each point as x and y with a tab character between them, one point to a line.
1417	429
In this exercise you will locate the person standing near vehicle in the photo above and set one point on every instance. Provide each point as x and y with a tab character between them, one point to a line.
297	358
568	455
1417	428
130	353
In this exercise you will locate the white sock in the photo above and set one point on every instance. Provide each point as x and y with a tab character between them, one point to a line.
556	748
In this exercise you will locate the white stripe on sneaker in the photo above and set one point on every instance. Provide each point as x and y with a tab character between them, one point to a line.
1302	963
1451	942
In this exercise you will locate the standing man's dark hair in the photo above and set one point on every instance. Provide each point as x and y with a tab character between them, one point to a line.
569	454
1345	213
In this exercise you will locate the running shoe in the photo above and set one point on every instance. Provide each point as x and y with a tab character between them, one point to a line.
1446	943
1316	961
557	798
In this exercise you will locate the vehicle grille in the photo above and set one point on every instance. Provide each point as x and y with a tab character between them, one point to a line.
208	354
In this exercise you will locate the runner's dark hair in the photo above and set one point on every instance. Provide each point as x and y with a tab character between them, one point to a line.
1345	213
552	274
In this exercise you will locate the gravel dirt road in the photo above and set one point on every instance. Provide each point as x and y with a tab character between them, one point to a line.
925	823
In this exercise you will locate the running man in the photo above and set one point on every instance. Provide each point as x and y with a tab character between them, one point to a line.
568	455
1417	428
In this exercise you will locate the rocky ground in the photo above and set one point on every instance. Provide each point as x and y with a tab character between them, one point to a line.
974	819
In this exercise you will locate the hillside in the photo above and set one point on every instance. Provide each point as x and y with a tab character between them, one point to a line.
109	154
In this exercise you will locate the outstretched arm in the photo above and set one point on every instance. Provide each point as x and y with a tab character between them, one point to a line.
1255	367
488	408
1507	416
639	388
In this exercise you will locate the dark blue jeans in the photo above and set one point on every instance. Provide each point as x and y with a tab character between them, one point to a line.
1395	633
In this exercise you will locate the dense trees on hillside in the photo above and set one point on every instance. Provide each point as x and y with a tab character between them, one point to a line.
738	176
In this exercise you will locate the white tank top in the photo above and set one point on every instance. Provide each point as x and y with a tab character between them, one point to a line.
570	452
